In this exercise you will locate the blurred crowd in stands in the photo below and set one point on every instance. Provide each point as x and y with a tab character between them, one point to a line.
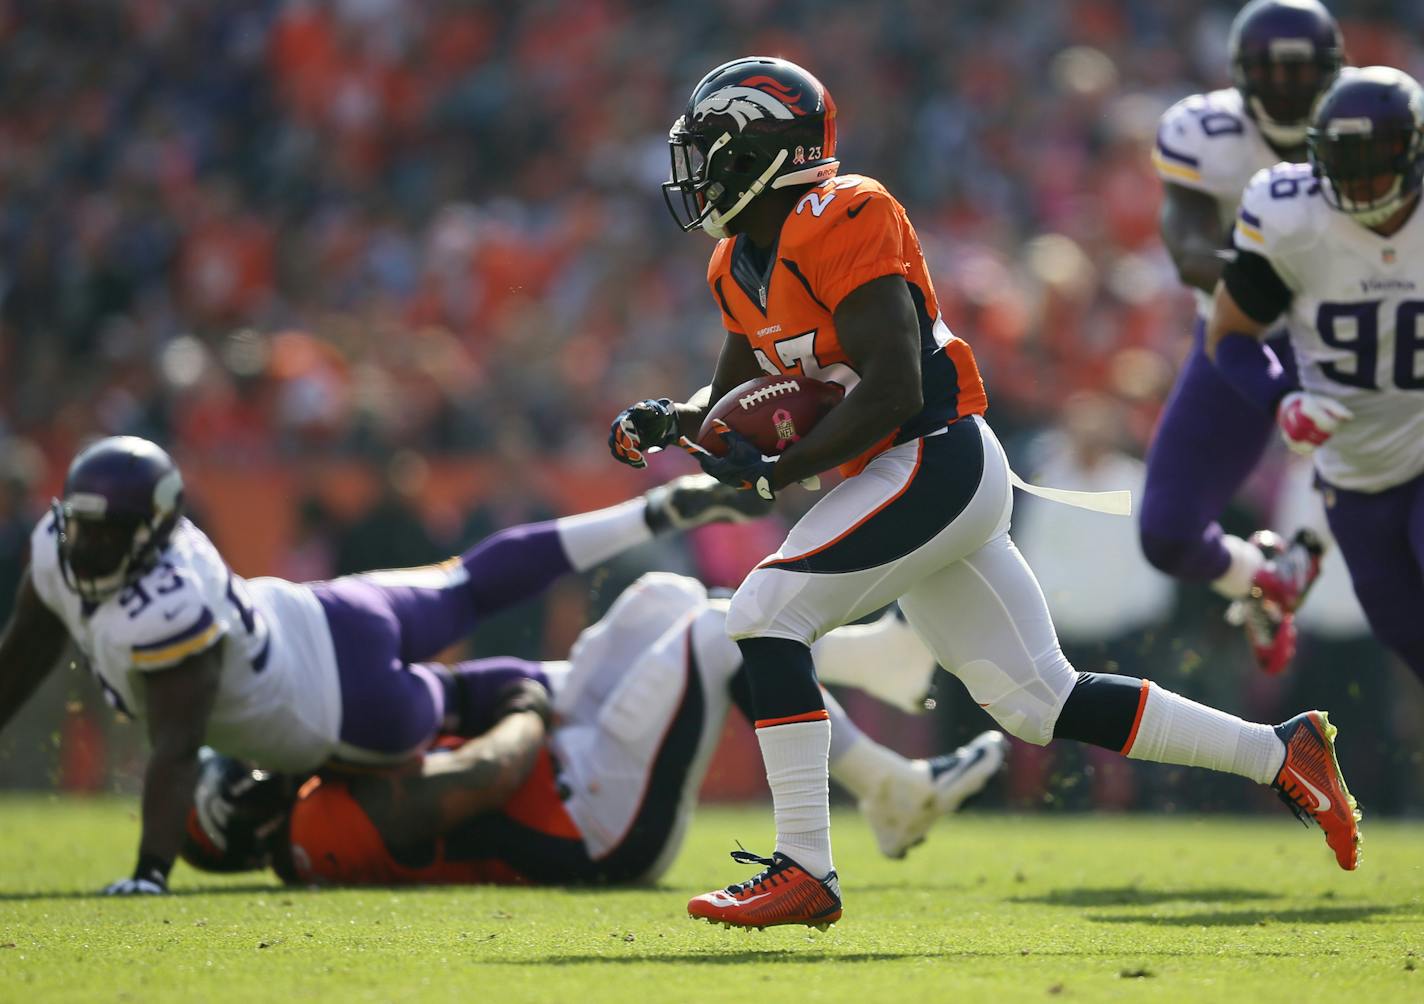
268	234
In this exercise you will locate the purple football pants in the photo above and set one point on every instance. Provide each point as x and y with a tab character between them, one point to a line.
1207	443
1381	536
385	625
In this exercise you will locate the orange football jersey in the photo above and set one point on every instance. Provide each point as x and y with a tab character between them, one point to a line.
840	235
334	841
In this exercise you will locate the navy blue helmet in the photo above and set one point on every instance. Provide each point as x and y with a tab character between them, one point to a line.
751	124
1284	53
238	812
1366	139
122	498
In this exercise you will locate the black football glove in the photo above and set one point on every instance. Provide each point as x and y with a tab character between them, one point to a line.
743	465
647	425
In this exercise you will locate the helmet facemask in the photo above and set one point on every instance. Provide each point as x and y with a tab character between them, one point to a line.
741	177
102	551
1367	144
98	557
1281	86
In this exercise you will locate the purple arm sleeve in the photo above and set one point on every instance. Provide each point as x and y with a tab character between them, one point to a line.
1253	371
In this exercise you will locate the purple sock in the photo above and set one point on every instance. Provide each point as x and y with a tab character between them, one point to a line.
514	565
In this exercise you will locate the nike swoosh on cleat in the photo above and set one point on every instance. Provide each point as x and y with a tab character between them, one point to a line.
750	899
1322	804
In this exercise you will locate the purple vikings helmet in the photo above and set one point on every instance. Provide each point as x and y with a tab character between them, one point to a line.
122	498
1284	53
1367	140
751	124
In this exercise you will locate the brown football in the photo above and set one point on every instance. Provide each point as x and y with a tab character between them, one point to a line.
772	411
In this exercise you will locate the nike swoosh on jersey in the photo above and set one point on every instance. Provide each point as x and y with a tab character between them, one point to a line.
168	615
854	210
1322	803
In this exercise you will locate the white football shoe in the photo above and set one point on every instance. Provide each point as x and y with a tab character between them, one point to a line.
905	804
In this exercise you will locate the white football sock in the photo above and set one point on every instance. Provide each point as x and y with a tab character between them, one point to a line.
591	538
1246	561
796	757
1175	730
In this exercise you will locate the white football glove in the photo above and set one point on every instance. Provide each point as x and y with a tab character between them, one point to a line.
1307	420
135	887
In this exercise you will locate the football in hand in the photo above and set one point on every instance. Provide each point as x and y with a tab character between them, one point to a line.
771	411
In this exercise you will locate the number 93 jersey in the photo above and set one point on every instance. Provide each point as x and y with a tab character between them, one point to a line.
1356	320
840	235
278	702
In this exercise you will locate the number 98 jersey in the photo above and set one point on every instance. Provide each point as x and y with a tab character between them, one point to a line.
279	698
841	234
1356	320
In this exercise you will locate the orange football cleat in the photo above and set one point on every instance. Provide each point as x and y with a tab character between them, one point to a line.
1310	782
784	893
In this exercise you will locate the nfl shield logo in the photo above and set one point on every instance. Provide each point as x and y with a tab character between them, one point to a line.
1388	255
785	428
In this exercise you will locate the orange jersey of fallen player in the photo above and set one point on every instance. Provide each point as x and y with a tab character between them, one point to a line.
334	841
840	235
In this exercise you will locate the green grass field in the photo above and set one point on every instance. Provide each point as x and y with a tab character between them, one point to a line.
991	908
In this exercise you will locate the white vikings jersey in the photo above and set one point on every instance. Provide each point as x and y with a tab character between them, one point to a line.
279	699
1356	320
1208	143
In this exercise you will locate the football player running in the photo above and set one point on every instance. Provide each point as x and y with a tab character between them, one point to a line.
821	274
289	676
1284	53
1336	247
636	715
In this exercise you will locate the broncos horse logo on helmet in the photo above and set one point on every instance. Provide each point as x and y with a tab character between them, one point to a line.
1366	139
1284	53
122	498
751	124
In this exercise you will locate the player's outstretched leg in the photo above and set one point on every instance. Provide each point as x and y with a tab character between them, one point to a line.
437	605
986	620
1169	728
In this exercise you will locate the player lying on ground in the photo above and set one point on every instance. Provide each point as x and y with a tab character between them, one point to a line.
1337	248
636	715
1284	53
289	676
821	275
